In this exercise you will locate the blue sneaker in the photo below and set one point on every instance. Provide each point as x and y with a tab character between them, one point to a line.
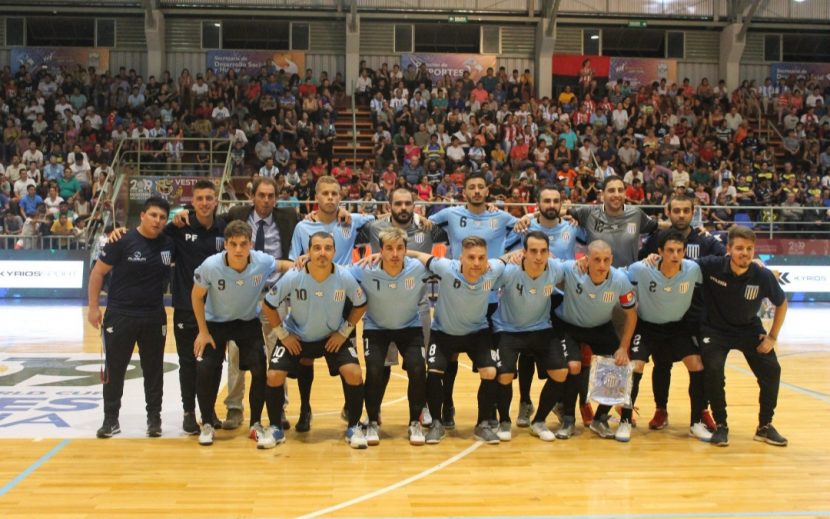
278	433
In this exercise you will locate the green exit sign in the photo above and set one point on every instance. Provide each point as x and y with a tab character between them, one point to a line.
637	23
458	19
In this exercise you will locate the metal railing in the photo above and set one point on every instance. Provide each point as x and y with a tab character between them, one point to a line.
38	242
764	220
149	156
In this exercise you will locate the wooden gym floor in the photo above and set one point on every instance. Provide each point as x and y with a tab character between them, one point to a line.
50	470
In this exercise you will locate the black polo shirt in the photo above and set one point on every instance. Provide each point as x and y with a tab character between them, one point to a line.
139	267
194	243
697	245
730	302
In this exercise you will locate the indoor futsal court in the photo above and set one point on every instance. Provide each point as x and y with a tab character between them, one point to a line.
53	466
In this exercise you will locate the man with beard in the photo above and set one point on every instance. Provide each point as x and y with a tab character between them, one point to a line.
733	289
562	238
394	290
345	233
315	327
419	238
680	210
460	222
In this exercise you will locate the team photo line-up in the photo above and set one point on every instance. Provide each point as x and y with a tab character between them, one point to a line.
272	294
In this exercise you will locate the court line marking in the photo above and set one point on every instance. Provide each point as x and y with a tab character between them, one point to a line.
33	467
798	389
402	483
677	515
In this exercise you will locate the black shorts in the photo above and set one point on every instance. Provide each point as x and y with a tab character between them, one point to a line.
602	339
248	337
283	360
666	343
548	350
409	341
477	345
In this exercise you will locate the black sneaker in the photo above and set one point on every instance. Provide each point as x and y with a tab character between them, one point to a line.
720	437
286	425
154	426
768	434
304	423
109	429
189	424
217	423
448	417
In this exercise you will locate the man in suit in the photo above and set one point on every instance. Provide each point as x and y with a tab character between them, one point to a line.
272	229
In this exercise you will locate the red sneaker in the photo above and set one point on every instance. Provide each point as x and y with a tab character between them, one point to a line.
587	414
660	420
708	421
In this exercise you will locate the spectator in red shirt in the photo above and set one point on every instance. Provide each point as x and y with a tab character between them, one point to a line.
635	194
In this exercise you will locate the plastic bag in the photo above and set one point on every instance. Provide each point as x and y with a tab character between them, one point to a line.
610	384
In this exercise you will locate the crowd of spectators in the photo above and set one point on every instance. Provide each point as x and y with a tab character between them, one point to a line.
60	130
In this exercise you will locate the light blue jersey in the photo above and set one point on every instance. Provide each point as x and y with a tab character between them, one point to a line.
393	301
233	295
588	305
461	223
661	299
524	305
344	237
563	238
316	308
462	307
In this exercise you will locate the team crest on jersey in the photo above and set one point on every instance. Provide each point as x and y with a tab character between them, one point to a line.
346	231
494	224
419	237
409	283
548	290
693	250
566	235
240	282
220	243
166	256
256	280
631	228
751	292
339	295
608	296
683	287
487	285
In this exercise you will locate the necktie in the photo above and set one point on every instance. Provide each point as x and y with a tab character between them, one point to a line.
259	242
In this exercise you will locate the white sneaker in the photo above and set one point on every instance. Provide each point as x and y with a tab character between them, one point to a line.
426	417
504	431
416	434
541	431
373	433
701	432
206	435
265	438
623	433
356	438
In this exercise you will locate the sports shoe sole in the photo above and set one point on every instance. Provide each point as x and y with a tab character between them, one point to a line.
110	434
488	442
764	439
